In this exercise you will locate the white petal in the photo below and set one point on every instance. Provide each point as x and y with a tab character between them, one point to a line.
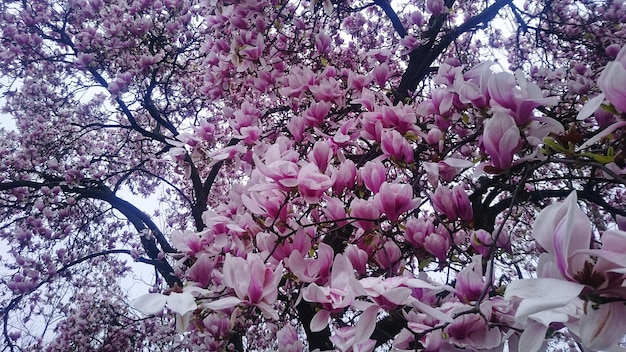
151	303
533	337
603	328
541	294
181	303
590	107
222	303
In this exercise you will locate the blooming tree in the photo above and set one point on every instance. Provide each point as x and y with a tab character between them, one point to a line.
327	175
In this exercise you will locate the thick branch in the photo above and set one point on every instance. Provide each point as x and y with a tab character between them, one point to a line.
422	57
393	16
140	221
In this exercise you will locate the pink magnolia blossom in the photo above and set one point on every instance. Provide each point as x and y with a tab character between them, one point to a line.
395	146
481	241
357	257
438	244
435	7
381	74
416	230
612	78
373	174
311	269
340	291
321	155
288	341
501	139
316	113
565	270
344	177
470	282
312	183
471	329
395	199
366	212
254	282
322	42
356	339
388	256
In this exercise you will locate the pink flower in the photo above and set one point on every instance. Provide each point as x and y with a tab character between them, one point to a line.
395	146
367	213
328	90
357	257
311	269
344	177
373	175
254	283
444	202
471	329
416	230
340	291
316	113
481	241
612	79
394	199
357	338
462	204
438	244
501	139
470	281
388	256
562	230
321	155
381	74
435	6
322	42
288	340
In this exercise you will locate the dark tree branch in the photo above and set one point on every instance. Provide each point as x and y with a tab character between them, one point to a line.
393	16
140	221
422	57
5	312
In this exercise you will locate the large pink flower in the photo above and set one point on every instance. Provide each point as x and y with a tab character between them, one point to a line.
394	199
612	79
312	183
501	139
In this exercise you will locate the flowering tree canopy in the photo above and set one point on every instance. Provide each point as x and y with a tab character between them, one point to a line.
323	175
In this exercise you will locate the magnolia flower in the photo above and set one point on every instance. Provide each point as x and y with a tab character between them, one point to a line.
395	146
565	270
394	199
612	79
181	303
253	281
501	139
340	291
373	175
312	183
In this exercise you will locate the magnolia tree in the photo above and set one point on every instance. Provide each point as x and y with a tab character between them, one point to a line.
323	175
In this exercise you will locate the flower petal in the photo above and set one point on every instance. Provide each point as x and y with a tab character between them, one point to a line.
604	327
223	303
541	294
533	337
181	303
151	303
320	320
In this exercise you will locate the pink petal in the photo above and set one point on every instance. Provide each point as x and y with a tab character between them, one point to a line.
320	320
